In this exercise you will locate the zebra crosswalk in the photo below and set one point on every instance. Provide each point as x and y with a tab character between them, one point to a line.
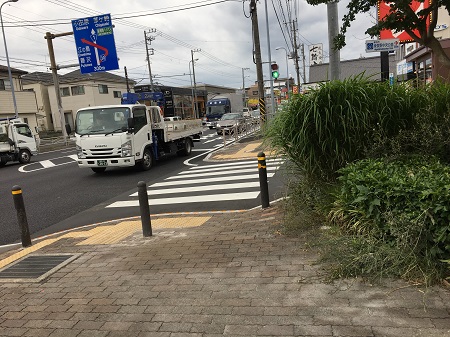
231	181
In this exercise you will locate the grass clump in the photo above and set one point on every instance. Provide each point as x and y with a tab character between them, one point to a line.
388	213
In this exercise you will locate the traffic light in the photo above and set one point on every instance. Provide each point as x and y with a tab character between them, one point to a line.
275	72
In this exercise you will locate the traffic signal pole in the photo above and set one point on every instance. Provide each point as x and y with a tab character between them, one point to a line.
258	61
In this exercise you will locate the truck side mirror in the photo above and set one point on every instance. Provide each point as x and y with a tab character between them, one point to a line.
130	122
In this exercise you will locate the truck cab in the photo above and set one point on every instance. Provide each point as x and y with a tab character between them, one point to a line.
17	142
215	109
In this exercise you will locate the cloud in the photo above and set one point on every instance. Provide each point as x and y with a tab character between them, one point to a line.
222	31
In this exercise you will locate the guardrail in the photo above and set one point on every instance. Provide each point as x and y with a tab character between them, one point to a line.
240	131
50	143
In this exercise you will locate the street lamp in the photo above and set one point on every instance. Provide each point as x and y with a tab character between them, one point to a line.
195	84
192	87
287	67
7	61
243	87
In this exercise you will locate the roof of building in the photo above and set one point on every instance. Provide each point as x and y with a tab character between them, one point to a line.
72	77
37	77
371	66
4	69
77	76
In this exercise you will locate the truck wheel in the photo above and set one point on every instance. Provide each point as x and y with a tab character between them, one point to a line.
24	156
147	160
187	148
98	169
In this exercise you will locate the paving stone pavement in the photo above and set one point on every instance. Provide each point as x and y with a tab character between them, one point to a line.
233	274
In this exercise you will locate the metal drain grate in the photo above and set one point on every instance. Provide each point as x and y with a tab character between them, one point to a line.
34	268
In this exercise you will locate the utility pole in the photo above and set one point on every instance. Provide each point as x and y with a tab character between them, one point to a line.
126	78
272	98
258	61
53	67
333	28
304	66
149	40
297	68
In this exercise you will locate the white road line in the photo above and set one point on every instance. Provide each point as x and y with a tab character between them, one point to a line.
223	167
236	163
46	163
185	200
210	180
199	188
73	156
210	141
238	171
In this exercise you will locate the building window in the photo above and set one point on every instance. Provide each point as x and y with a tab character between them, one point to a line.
64	91
77	90
5	84
102	89
117	94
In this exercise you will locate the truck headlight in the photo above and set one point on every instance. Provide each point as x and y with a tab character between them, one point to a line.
218	125
127	149
80	153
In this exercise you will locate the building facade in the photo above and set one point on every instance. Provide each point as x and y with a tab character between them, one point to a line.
25	100
77	91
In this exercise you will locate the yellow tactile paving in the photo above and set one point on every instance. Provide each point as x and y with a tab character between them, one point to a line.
26	251
184	222
250	150
103	235
112	234
116	233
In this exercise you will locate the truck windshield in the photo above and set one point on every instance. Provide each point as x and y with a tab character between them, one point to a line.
98	121
216	110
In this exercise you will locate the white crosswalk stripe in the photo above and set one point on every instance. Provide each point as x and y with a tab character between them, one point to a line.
207	183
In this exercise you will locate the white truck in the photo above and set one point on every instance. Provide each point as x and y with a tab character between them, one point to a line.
130	134
17	142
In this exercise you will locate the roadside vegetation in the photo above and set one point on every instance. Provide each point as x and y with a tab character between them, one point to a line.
372	177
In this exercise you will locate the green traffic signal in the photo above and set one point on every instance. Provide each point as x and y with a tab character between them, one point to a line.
275	74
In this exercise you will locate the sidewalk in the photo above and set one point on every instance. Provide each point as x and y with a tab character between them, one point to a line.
209	274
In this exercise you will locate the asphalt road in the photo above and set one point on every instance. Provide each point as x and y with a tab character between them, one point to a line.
59	195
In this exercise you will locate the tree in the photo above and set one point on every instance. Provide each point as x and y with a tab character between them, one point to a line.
401	17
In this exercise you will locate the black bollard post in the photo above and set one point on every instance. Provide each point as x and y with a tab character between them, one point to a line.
21	216
145	209
263	180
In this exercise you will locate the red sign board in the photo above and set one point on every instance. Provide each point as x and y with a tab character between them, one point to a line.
384	9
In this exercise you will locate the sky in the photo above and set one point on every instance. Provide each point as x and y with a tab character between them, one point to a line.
219	32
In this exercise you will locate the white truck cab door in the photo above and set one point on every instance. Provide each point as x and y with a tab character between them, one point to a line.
23	137
142	130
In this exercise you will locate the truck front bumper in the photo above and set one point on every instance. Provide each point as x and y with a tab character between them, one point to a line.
106	162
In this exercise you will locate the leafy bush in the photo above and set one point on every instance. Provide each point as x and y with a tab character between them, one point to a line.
333	125
402	204
427	133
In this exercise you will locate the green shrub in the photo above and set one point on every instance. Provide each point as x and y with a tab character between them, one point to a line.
404	203
333	125
428	133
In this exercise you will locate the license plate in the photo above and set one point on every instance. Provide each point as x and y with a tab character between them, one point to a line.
102	163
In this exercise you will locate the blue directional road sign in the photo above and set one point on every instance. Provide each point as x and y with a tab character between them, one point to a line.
96	48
